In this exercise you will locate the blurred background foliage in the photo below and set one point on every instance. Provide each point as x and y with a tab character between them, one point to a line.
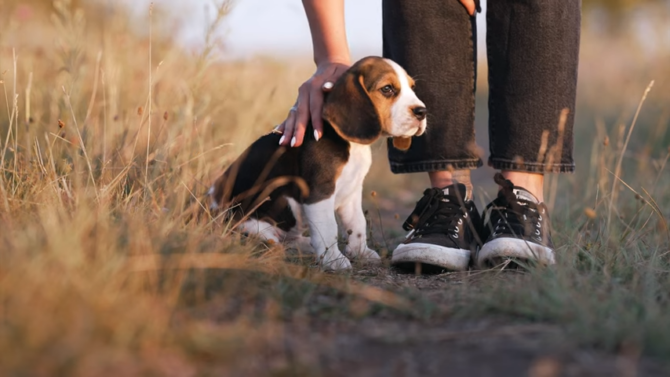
617	6
625	45
613	10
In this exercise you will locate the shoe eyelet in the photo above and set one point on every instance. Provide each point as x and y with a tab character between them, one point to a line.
537	232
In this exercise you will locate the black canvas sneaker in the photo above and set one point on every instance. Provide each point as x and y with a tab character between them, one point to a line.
443	230
516	225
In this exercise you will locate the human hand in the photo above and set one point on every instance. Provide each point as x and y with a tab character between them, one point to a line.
309	104
470	6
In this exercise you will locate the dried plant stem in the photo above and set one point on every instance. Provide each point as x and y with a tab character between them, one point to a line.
660	171
104	124
556	154
658	211
81	141
27	116
9	133
2	158
53	169
617	170
197	200
203	153
12	118
146	163
137	134
28	91
16	120
91	102
381	224
5	200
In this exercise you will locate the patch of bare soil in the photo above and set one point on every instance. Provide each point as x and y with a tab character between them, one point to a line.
394	344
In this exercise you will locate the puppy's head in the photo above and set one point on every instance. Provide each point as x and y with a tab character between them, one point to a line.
375	97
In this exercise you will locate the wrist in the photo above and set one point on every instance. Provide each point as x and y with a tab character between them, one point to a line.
332	59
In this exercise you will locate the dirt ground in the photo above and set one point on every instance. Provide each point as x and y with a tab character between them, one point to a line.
388	344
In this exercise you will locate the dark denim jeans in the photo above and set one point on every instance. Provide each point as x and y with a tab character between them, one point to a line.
533	53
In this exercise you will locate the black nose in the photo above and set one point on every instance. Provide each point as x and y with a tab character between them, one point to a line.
420	112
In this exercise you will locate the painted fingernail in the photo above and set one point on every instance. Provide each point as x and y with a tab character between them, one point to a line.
328	85
281	141
293	141
316	135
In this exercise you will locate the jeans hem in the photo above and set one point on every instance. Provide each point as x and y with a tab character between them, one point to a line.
532	167
429	166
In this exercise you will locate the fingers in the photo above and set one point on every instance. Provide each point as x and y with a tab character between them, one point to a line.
294	126
288	128
317	99
302	116
316	108
470	6
309	106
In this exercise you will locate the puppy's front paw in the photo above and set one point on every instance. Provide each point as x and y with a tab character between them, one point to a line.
365	256
334	260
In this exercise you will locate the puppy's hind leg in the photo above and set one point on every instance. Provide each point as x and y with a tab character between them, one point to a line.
294	237
265	231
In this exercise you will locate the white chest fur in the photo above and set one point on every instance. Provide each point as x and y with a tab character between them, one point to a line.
350	181
347	202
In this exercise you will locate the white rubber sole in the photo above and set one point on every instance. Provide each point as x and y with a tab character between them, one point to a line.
446	257
514	248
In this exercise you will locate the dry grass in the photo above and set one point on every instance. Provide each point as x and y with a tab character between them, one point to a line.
105	150
110	138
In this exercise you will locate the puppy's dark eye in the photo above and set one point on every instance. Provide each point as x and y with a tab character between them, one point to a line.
387	90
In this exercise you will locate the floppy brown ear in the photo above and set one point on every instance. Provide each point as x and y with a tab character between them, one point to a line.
350	110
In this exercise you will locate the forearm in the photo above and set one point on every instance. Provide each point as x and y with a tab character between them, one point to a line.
326	23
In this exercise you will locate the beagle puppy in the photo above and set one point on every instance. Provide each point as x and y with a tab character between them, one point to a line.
271	189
